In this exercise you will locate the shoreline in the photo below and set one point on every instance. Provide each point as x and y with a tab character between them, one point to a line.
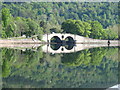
36	41
20	41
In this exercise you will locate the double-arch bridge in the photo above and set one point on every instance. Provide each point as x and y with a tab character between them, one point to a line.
77	39
80	43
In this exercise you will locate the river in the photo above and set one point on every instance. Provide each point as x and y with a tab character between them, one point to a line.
32	68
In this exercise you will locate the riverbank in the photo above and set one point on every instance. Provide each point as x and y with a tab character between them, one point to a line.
20	41
36	41
22	47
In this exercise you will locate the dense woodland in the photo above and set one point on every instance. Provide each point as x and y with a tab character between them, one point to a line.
93	20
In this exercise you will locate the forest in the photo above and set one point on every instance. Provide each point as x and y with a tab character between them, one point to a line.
94	20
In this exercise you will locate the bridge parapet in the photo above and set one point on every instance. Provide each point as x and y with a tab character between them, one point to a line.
62	36
78	39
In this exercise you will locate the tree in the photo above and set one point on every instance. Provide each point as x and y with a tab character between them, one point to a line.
87	29
76	27
22	27
96	30
72	26
6	16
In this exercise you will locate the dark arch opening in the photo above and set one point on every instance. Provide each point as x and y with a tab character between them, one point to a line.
55	40
62	49
70	43
62	36
69	40
55	43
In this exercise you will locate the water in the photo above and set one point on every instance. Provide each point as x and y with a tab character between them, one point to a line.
33	68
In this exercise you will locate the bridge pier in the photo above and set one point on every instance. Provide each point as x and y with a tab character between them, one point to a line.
63	42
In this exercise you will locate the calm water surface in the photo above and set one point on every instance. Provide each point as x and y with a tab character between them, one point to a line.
89	68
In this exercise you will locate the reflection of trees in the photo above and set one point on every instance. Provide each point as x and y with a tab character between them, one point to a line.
19	60
26	69
85	57
7	56
76	59
97	55
5	69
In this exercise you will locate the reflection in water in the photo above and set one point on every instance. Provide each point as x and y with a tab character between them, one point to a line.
55	46
87	68
86	57
0	70
69	41
69	47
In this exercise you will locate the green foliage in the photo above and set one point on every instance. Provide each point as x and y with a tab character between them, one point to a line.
5	69
9	56
77	59
96	30
5	16
92	29
111	34
50	16
76	27
17	26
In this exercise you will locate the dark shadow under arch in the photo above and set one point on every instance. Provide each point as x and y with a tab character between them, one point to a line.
70	43
55	42
69	40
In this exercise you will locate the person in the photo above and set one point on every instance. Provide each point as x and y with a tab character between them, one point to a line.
108	42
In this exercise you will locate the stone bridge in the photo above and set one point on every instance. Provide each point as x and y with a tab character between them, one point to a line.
80	43
78	39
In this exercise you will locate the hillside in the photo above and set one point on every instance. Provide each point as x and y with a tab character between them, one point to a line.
38	18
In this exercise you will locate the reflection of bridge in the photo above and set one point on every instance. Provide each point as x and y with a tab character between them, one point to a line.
77	47
47	48
20	46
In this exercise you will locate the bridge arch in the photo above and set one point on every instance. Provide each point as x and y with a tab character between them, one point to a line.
55	39
77	38
69	47
70	40
62	36
55	46
61	49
